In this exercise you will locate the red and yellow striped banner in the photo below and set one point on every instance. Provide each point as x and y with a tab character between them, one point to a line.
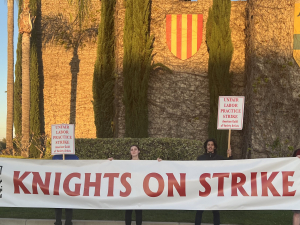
184	34
296	51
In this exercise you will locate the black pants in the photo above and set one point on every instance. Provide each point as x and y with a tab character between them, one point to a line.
138	217
69	214
199	217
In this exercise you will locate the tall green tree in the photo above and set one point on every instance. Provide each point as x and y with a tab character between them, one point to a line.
104	72
18	86
35	122
218	38
137	66
10	74
18	90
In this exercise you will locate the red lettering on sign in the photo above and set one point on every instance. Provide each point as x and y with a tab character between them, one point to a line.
18	182
286	183
66	184
172	182
111	179
126	185
56	184
253	184
206	185
161	185
235	185
267	184
88	183
37	180
221	177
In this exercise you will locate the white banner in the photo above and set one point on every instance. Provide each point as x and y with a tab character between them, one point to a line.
255	184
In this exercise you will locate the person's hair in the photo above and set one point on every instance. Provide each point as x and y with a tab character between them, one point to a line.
136	147
208	140
296	152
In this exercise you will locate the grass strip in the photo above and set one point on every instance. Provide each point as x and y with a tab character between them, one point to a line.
266	217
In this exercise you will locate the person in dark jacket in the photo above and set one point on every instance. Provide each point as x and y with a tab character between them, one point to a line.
210	147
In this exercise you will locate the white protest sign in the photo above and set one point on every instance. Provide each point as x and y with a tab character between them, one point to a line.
231	112
62	139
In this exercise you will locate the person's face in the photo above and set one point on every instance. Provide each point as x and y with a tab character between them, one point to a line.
134	151
210	147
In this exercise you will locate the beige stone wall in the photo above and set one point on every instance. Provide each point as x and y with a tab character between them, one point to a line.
273	81
178	102
58	76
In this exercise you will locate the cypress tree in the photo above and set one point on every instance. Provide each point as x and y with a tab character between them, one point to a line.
104	72
35	123
18	90
218	37
137	67
18	86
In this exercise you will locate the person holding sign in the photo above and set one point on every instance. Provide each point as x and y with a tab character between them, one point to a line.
58	211
210	148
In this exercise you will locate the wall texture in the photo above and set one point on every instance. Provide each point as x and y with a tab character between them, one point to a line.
179	102
262	66
273	80
64	69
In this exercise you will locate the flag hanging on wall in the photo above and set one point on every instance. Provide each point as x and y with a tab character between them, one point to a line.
296	52
184	34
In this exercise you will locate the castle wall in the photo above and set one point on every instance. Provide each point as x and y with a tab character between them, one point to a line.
272	109
178	102
58	63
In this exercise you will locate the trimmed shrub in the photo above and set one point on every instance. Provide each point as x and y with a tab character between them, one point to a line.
151	148
18	86
137	67
35	122
104	72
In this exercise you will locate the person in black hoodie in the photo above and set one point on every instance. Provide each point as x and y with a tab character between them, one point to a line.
210	147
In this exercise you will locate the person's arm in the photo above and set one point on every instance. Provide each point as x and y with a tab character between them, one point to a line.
110	159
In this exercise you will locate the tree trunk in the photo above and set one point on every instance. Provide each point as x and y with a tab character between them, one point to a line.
25	27
25	93
10	74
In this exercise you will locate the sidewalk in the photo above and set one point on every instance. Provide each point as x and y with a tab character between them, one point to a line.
8	221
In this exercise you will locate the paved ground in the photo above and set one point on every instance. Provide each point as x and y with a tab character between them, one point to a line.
8	221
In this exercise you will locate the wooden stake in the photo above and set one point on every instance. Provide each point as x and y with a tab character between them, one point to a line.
63	156
229	135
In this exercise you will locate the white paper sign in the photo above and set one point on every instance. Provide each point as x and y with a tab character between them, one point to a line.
253	184
62	139
231	112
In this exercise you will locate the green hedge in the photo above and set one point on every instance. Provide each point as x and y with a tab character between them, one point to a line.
151	148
